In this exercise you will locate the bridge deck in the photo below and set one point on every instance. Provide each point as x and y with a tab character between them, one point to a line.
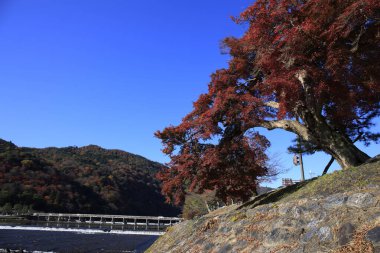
106	216
129	222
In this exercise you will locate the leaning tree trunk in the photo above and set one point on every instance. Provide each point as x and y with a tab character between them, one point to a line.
333	159
315	130
319	131
345	152
337	145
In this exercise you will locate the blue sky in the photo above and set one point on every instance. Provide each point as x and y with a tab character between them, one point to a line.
111	73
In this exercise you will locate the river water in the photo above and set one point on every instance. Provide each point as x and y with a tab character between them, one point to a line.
69	239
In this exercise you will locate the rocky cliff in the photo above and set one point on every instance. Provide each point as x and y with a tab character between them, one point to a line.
339	212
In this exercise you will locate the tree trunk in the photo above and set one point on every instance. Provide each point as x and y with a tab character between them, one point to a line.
323	133
315	128
338	146
346	153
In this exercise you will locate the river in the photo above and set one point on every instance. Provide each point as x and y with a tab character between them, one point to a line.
61	237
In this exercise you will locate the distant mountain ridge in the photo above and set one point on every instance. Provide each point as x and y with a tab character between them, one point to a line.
86	179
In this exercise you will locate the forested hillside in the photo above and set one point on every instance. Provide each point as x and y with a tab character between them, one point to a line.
83	180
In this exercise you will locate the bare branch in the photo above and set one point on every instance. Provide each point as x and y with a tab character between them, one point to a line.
355	43
288	125
272	104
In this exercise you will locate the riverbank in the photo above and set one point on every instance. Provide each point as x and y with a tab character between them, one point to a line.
336	213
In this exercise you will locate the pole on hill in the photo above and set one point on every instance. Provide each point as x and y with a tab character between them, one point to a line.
300	157
302	170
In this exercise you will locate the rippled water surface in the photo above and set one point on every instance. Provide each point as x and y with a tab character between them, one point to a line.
59	239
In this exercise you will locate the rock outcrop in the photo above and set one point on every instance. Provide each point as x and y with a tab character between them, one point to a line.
339	212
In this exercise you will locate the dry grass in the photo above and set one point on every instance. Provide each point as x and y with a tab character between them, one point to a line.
358	244
254	227
284	247
253	242
210	224
260	217
336	182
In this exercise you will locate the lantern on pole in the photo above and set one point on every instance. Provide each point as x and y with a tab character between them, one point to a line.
296	160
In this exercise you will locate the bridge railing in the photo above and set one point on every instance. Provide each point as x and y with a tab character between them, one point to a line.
147	223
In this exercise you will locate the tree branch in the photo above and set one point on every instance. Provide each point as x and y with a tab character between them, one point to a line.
288	125
355	43
272	104
328	165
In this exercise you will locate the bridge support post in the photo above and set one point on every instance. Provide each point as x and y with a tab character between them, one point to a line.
135	223
146	225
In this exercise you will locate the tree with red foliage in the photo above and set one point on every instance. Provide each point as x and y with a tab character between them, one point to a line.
305	66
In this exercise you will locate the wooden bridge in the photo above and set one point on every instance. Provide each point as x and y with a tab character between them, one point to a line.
157	224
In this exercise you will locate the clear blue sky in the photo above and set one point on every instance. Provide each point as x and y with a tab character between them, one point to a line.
111	73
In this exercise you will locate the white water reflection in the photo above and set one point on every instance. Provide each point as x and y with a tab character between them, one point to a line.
81	230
